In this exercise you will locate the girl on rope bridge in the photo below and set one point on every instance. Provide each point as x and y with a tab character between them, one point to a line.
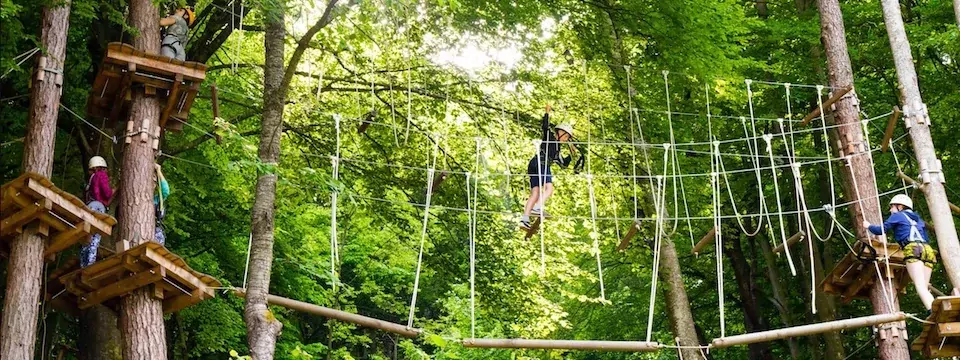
909	230
98	194
539	166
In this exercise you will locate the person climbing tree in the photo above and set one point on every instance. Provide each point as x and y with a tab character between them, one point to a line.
175	32
98	196
539	166
163	191
910	231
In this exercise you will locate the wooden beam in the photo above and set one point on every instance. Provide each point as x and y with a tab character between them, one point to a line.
891	126
361	320
65	239
122	90
64	206
181	301
634	228
14	222
949	329
830	326
122	287
799	236
630	346
864	278
171	99
826	104
704	241
180	274
117	54
954	208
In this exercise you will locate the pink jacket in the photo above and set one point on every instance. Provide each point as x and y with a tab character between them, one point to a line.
98	188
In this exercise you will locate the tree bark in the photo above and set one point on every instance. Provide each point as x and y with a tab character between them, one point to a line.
915	113
859	182
956	11
141	318
100	338
262	326
678	305
753	319
18	333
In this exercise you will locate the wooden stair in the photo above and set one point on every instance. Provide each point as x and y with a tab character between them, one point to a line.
942	338
149	264
851	278
32	200
175	81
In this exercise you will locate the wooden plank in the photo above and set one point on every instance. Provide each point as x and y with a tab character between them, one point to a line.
181	301
149	64
66	239
863	280
172	98
826	104
68	209
804	330
122	287
173	270
634	228
594	345
15	222
704	241
949	329
534	227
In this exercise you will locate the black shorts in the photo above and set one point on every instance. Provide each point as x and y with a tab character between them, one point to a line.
539	172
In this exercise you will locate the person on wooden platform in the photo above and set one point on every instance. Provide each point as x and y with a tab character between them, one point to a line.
98	194
163	191
174	38
538	169
910	231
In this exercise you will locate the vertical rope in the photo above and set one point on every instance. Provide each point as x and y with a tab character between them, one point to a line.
658	238
886	252
423	234
542	169
776	189
633	150
673	152
595	235
718	236
473	243
246	268
334	252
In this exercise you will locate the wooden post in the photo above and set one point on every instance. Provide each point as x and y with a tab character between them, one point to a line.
764	336
25	268
141	318
799	236
633	346
704	241
858	176
826	104
326	312
891	126
918	123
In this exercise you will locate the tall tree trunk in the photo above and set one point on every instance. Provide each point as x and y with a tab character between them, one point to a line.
956	11
100	338
779	296
915	112
262	326
141	318
859	182
678	305
762	11
753	319
18	333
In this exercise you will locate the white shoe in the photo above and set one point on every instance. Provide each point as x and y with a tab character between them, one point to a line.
525	225
537	212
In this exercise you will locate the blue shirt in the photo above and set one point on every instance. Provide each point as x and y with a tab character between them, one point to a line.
898	225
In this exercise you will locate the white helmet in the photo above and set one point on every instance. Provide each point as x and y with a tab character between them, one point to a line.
567	128
95	162
902	199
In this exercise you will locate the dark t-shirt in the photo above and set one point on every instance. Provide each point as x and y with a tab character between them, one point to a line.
550	145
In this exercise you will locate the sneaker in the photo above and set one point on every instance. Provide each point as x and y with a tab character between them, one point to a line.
537	212
525	225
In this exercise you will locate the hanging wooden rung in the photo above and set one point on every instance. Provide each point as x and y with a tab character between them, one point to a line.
534	227
707	239
826	104
145	265
830	326
798	237
596	345
339	315
632	232
891	126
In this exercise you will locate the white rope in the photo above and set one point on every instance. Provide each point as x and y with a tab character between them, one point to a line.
633	151
886	252
22	58
473	243
334	246
423	236
595	236
718	245
673	152
658	238
776	190
542	166
246	268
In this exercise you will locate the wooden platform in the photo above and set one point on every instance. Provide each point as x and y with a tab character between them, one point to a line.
174	81
31	200
941	339
851	278
146	265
